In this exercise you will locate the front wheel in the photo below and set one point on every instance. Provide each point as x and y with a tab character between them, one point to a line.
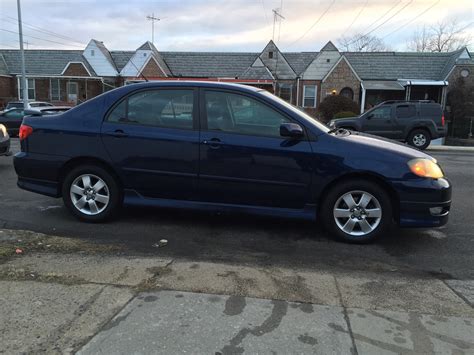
357	211
91	193
419	138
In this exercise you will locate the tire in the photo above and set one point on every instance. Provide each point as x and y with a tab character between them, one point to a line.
419	138
105	193
365	228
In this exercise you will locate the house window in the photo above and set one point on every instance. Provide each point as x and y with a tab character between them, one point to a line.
309	95
270	55
30	85
286	91
92	53
55	91
328	60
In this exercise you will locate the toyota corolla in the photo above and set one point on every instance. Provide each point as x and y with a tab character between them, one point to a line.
226	147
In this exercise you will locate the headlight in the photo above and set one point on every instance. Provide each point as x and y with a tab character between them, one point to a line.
3	129
425	168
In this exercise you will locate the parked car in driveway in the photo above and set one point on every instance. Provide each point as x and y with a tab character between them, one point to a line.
414	122
12	118
4	141
226	147
19	104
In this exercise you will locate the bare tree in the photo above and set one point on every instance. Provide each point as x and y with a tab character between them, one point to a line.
445	36
362	43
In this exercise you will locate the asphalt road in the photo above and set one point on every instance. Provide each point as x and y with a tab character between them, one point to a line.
445	253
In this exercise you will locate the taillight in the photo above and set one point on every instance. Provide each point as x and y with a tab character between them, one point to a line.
442	120
25	131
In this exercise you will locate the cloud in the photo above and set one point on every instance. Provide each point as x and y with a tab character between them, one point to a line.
216	25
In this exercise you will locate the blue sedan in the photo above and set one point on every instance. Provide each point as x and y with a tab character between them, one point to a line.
226	147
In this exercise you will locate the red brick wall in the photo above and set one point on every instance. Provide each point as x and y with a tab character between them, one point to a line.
76	69
152	70
342	76
7	90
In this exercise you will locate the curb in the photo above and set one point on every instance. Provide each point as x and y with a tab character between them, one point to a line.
450	148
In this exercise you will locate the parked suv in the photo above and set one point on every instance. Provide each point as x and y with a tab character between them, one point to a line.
414	122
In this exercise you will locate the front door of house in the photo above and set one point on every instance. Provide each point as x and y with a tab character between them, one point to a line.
72	91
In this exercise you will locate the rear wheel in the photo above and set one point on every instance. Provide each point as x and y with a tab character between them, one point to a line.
357	211
419	138
91	193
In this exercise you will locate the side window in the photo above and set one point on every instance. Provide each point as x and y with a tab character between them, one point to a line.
240	114
406	111
160	108
17	113
382	113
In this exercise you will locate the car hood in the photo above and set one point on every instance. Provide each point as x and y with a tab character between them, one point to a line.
342	120
384	144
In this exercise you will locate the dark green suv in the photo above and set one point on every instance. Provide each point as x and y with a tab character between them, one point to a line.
414	122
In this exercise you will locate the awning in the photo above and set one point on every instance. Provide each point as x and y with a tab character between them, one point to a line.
382	85
407	82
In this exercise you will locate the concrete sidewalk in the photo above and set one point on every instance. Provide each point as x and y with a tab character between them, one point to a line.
69	296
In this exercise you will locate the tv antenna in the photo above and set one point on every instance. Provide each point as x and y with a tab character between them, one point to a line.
277	16
153	19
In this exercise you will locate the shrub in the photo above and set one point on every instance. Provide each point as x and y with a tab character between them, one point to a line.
345	114
336	103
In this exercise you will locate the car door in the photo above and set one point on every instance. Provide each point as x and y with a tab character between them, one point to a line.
405	114
379	122
12	119
243	158
152	138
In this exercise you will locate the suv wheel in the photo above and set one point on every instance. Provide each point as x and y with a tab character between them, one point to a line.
419	138
91	193
357	211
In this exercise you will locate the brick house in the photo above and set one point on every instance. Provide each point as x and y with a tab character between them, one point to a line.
302	78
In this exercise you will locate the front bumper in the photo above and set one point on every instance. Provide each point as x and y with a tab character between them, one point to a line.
429	205
5	145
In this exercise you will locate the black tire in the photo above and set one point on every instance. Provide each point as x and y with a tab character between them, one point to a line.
112	187
419	138
327	213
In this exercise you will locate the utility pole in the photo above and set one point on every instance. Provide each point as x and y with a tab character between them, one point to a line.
152	18
22	58
277	16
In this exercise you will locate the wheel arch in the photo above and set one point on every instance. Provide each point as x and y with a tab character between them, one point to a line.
78	161
366	175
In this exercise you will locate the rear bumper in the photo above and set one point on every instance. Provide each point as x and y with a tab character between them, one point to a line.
4	146
39	173
430	205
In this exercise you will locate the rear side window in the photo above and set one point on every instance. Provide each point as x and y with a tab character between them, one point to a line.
430	111
159	108
406	111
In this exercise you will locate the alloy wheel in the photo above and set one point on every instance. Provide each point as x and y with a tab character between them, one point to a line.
357	213
90	194
419	140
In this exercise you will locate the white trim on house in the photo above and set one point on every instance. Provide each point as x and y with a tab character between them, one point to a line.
343	57
68	64
146	63
51	89
27	88
315	95
60	76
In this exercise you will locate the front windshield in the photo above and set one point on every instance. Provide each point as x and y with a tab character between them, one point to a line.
311	120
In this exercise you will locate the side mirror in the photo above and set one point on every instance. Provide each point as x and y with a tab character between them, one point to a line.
32	112
292	130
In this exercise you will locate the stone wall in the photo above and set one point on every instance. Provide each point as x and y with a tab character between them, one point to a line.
341	77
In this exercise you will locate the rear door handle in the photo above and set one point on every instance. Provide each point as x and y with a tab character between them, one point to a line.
117	133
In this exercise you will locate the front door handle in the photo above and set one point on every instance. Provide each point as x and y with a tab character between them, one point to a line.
213	143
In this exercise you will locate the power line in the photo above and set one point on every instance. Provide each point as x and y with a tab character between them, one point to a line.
43	30
413	19
383	23
385	14
41	39
315	23
355	18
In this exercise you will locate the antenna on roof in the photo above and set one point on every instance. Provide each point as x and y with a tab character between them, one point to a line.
152	18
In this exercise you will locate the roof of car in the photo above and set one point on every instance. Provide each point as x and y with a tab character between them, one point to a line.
191	83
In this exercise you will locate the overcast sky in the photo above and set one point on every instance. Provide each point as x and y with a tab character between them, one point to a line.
224	25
